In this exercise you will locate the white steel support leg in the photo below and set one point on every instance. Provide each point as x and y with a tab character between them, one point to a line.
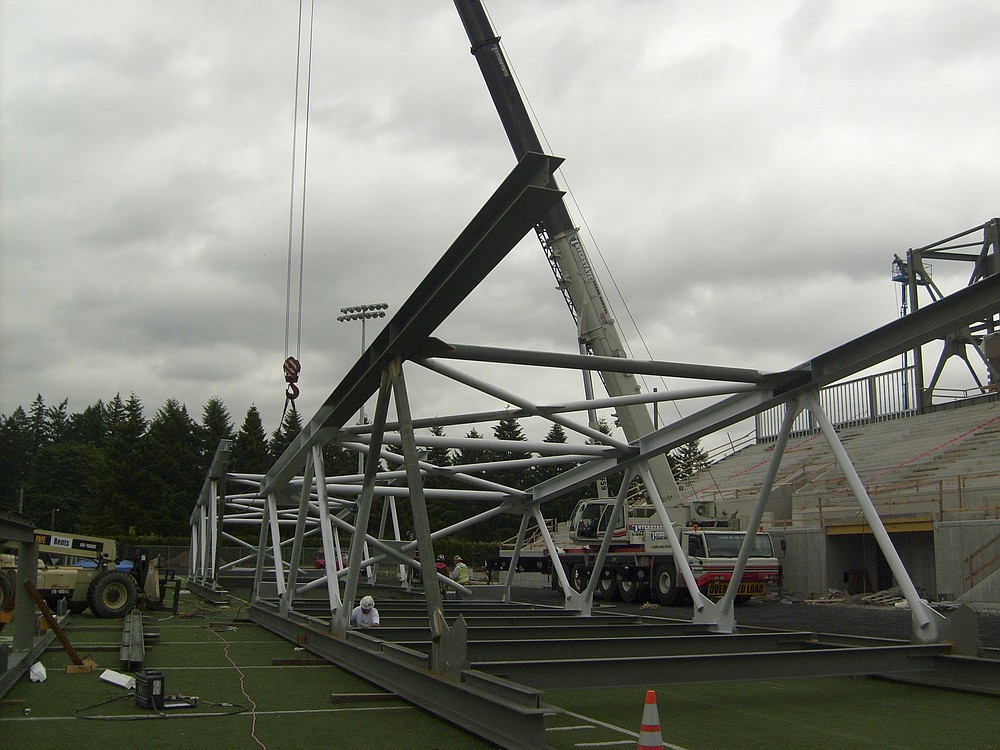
925	620
193	556
202	542
522	531
305	494
792	409
608	535
418	508
271	511
575	600
704	609
331	544
364	507
256	593
213	531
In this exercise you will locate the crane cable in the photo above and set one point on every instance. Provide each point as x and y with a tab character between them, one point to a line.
291	364
585	224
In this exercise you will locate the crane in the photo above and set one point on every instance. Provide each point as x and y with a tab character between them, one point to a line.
564	248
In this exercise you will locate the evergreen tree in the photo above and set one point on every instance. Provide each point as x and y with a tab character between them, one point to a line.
281	438
16	445
172	478
89	426
250	453
39	424
67	481
465	456
439	456
688	459
57	421
216	425
126	426
509	428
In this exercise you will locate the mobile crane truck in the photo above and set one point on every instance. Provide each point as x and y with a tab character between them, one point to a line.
637	557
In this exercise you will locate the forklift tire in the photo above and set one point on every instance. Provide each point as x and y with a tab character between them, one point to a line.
112	594
76	608
6	592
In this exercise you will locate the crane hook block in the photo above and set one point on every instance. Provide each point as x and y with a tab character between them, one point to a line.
292	391
292	368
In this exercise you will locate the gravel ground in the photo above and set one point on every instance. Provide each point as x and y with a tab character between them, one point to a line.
877	621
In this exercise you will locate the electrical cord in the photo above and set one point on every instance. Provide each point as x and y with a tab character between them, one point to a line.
159	714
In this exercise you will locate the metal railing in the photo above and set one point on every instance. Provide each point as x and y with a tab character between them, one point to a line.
979	569
874	398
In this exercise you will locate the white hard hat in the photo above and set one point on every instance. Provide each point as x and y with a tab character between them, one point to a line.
367	602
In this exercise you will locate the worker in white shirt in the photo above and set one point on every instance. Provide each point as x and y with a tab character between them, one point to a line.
365	615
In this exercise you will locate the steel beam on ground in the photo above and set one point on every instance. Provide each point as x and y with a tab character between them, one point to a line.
567	649
509	715
730	667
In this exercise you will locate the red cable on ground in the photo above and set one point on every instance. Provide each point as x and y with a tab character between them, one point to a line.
253	705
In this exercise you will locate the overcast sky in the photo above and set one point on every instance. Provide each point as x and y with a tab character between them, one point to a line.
747	171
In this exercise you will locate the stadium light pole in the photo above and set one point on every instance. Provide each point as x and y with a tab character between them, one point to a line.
363	313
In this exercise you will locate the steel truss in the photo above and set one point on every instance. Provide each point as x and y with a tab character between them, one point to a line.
297	499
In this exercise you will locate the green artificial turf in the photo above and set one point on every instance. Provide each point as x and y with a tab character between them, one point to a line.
213	653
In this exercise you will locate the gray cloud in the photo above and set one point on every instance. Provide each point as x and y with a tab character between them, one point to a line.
747	172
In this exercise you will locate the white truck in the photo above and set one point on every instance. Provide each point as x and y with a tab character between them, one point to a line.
640	564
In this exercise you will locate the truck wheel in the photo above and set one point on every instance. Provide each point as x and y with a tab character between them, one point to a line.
605	588
112	594
578	578
628	591
6	592
664	584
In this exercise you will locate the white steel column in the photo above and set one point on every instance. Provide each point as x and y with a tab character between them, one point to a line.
340	622
271	521
575	600
704	608
925	619
213	531
305	494
331	544
608	534
522	530
792	409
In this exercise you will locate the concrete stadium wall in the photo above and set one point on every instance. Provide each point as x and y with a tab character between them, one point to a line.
803	562
954	542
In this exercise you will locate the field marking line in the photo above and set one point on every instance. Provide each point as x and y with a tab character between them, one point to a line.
612	727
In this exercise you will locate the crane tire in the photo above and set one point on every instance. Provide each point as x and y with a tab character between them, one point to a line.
112	594
628	591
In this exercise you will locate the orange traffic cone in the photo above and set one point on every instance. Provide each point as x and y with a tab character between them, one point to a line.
649	735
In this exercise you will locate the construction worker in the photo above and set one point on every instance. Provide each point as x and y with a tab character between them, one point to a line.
459	571
365	615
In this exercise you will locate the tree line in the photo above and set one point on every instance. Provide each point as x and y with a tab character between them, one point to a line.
110	471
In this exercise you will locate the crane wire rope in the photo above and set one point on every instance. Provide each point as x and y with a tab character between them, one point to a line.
583	218
586	226
291	365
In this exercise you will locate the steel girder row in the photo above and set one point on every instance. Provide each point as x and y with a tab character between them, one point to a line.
297	493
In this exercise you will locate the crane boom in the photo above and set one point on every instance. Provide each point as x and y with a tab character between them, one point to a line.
560	238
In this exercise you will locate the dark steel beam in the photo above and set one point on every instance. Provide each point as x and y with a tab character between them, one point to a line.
510	715
510	213
700	668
